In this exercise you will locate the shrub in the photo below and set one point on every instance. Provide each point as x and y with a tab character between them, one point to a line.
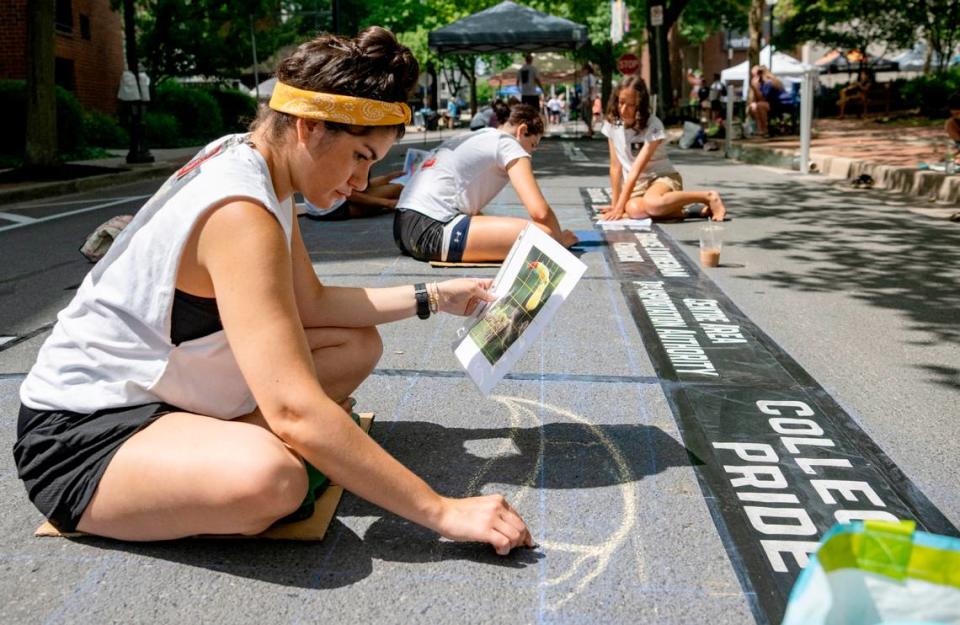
13	110
826	100
104	131
195	110
161	130
69	122
236	108
930	93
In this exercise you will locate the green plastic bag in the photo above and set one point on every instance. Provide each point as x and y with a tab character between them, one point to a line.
879	573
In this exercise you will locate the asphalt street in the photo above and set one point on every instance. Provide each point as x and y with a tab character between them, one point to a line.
862	292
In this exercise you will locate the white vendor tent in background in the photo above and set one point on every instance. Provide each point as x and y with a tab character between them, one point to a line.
265	89
783	66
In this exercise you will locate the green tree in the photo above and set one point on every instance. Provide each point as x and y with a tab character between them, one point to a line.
939	22
702	18
845	24
414	20
213	37
601	51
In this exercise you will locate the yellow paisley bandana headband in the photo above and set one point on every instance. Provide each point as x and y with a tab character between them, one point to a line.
343	109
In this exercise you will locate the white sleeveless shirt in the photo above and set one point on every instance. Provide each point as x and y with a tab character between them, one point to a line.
111	345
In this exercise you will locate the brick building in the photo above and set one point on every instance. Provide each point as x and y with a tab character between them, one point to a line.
88	48
714	55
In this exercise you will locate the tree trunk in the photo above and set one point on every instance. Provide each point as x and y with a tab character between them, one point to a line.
659	46
660	66
678	79
606	86
756	32
41	146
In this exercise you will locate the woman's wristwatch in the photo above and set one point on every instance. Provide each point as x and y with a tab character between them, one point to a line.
423	300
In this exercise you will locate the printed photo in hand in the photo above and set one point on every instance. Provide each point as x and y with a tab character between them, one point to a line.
504	321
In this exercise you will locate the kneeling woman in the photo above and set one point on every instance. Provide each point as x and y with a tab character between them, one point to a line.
438	214
643	181
202	363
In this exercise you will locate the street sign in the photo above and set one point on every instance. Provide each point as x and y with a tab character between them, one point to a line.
656	15
628	64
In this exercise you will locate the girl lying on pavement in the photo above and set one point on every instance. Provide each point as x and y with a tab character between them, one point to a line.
201	363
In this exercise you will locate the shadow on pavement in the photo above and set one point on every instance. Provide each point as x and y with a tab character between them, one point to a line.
556	456
866	245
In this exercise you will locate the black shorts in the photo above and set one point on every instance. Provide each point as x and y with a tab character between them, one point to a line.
340	213
61	455
427	239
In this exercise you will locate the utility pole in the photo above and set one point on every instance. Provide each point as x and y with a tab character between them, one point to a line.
662	64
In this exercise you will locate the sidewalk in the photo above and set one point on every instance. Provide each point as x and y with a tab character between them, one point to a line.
890	153
168	160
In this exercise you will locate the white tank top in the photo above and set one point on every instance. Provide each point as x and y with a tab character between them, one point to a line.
111	345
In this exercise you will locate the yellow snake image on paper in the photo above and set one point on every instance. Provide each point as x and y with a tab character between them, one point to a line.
543	274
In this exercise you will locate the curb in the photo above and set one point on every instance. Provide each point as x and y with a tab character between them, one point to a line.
927	185
62	187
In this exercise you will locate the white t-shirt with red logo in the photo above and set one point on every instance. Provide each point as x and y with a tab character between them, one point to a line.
111	346
464	174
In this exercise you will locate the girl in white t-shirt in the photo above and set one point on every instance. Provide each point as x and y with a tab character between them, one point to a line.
643	181
439	212
200	377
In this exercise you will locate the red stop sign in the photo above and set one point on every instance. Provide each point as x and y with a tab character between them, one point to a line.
628	64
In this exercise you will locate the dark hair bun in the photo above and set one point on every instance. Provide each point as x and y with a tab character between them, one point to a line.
373	65
388	58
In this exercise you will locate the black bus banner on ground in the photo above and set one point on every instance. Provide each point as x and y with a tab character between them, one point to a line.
778	460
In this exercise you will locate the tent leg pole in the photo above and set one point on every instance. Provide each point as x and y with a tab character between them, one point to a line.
729	129
806	120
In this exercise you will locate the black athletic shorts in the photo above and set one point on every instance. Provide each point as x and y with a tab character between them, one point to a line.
340	213
427	239
61	455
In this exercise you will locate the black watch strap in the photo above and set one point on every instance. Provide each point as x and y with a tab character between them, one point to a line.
423	300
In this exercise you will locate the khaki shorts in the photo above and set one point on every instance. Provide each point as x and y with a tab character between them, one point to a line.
674	181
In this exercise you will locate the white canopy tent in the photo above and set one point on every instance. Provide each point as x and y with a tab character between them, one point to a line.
783	66
264	89
787	69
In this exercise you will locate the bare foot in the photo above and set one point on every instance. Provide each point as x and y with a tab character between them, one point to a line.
716	208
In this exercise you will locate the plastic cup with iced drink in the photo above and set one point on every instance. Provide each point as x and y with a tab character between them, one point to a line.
711	240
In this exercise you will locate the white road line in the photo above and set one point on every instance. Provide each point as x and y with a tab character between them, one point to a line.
76	212
20	219
573	152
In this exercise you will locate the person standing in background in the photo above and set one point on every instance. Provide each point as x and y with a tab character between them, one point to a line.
588	89
528	79
718	94
554	110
